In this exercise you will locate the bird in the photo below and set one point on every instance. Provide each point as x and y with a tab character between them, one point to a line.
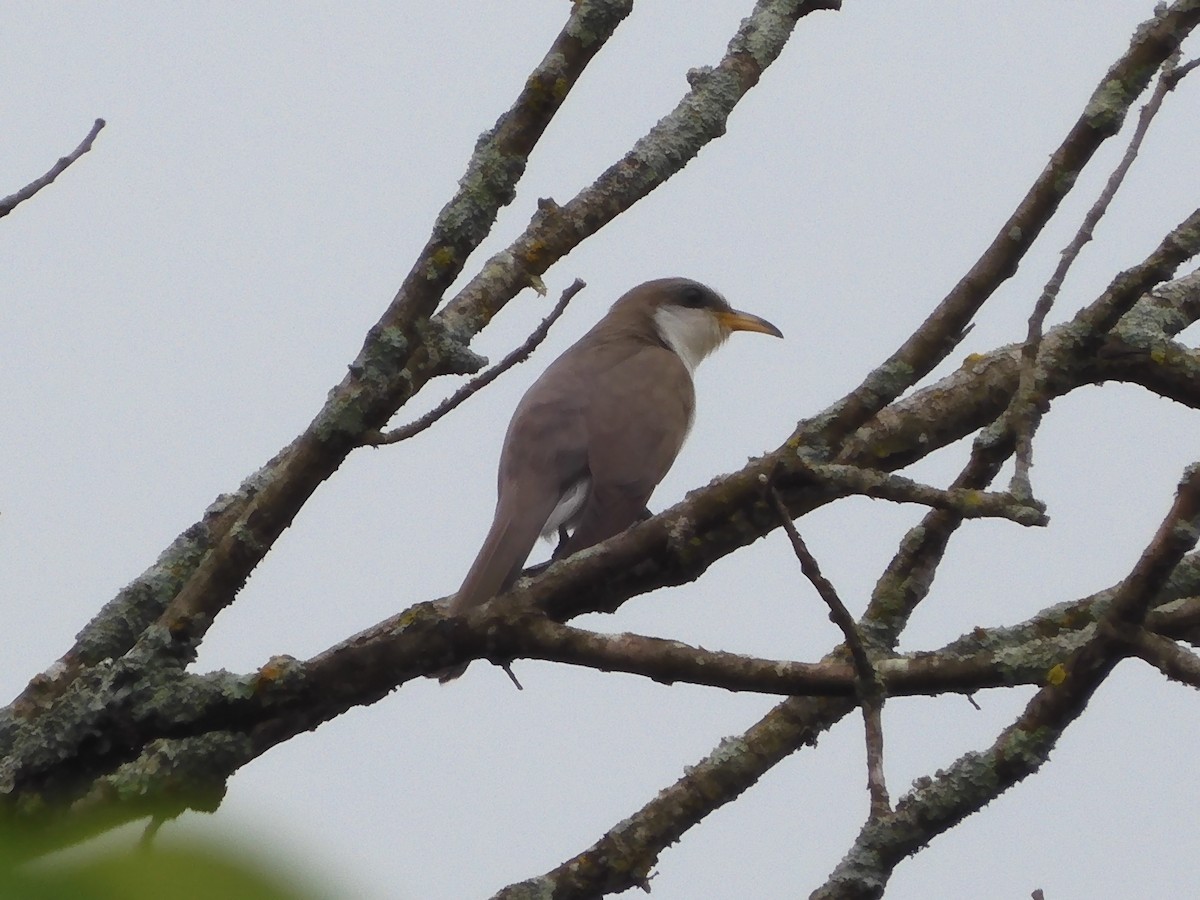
599	429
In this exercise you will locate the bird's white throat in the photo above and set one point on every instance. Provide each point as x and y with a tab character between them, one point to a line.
691	333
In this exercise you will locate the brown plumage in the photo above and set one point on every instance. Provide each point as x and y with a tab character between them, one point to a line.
597	432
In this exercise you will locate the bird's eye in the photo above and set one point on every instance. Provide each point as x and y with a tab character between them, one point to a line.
692	297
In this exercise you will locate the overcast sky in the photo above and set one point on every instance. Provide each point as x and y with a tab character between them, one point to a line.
179	303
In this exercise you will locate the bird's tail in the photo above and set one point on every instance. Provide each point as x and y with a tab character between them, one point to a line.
508	544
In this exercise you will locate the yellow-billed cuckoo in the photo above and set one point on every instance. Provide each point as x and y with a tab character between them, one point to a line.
597	432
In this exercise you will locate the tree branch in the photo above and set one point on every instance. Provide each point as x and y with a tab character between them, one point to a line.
9	203
1024	413
868	688
967	503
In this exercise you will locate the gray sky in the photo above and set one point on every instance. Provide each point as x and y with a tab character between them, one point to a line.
181	300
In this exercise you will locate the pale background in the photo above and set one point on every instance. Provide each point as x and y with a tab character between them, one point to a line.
179	302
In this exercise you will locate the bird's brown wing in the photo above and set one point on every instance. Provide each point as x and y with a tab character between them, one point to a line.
637	422
544	454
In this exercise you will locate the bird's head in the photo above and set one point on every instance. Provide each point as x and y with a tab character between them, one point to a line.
691	318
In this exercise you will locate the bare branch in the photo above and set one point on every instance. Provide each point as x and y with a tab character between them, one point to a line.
869	688
968	503
1178	620
671	662
150	832
476	384
358	670
1025	411
9	203
838	614
499	160
1165	311
1179	245
287	697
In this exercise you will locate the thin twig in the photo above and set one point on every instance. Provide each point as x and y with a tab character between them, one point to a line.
507	667
872	710
9	203
869	687
1028	403
838	613
966	502
520	354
